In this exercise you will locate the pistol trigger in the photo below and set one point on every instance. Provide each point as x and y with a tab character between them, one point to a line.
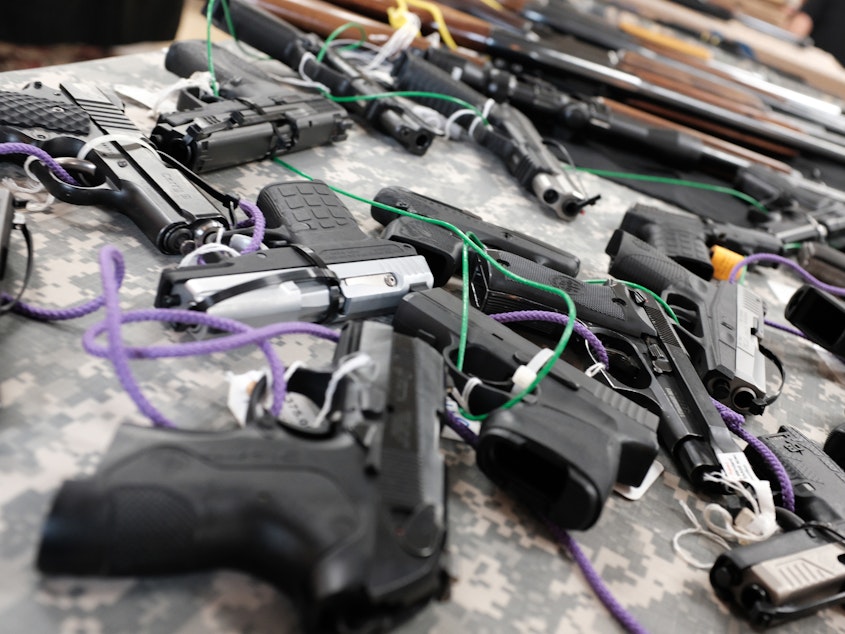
369	436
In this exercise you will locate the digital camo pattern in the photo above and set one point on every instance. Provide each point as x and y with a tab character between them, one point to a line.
60	408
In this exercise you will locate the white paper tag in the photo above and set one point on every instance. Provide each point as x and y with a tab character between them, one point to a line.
736	467
240	392
636	492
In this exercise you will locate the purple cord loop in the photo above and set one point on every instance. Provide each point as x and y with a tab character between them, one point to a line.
779	259
257	221
111	264
785	328
735	422
557	318
457	425
41	155
625	618
55	314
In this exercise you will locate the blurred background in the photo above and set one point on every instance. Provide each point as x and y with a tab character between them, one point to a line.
47	32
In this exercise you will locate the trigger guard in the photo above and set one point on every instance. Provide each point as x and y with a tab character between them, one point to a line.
68	192
484	396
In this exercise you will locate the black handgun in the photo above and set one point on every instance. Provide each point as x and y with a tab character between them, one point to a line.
442	248
648	364
801	571
560	449
253	117
820	315
296	49
350	522
721	324
687	239
510	135
121	173
331	271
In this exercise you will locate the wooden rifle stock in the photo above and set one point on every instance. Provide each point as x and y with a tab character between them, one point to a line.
670	114
477	34
624	110
635	62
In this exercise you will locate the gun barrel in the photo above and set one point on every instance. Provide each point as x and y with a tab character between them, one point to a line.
284	42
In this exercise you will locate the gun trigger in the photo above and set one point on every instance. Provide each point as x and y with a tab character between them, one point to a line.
368	435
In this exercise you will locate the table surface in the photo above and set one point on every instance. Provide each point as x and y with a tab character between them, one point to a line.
60	408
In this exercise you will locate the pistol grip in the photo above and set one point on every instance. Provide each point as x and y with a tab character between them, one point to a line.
440	247
565	476
308	212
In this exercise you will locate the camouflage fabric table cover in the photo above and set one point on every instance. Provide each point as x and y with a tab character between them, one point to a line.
61	406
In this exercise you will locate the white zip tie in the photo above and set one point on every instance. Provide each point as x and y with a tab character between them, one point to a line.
462	397
30	194
524	375
347	366
192	258
117	138
199	79
594	369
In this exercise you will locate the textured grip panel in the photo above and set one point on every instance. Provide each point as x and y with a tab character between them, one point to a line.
637	261
153	530
680	238
593	302
309	213
29	111
412	73
493	236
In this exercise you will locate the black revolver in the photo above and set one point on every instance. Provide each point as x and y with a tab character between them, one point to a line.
122	173
329	271
559	450
442	248
253	118
800	571
349	521
721	324
648	364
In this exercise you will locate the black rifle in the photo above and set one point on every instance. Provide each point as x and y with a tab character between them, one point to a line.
124	173
349	521
284	42
330	271
799	208
799	572
560	449
251	118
